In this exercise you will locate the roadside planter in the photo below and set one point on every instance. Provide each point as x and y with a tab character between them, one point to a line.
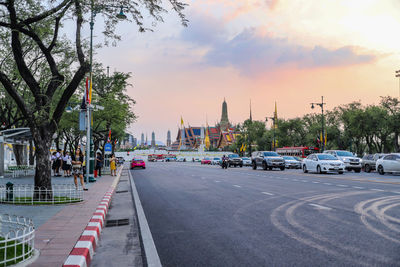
17	236
32	195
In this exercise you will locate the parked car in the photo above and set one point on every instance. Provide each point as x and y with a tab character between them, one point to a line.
291	162
120	160
234	160
388	164
323	163
138	163
246	161
368	162
350	161
216	161
267	160
181	159
206	161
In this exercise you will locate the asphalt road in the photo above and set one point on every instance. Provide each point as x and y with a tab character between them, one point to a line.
207	216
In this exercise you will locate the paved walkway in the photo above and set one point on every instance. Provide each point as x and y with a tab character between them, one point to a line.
56	237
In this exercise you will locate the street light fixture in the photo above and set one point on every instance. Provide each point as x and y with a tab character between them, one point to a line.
89	147
322	121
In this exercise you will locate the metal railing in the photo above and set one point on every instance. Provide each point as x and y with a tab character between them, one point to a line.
32	195
17	236
18	171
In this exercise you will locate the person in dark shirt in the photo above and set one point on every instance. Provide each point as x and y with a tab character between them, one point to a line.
99	163
77	169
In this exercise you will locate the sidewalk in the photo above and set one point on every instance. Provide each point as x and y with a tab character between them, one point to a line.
61	226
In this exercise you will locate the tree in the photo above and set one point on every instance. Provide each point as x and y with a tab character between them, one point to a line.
38	24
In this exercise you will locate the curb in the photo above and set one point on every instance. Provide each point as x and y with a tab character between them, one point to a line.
83	251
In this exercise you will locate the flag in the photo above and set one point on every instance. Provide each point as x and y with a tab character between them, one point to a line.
245	147
326	137
241	148
87	94
109	136
321	138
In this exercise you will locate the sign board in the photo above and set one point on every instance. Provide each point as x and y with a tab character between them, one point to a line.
107	148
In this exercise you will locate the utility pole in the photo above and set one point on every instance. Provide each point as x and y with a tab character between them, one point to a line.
322	121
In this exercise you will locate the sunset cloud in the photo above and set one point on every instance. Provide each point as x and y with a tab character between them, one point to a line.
251	53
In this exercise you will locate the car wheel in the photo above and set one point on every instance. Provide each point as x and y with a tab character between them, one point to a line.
283	168
254	165
340	172
241	165
380	170
144	167
357	170
319	169
367	168
264	166
305	168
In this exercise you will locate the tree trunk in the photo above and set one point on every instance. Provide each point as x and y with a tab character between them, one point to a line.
42	137
396	142
31	155
18	150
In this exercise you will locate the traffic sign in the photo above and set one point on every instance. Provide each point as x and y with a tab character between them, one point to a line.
108	148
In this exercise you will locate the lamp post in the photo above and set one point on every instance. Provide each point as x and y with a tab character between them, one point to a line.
94	9
398	76
322	121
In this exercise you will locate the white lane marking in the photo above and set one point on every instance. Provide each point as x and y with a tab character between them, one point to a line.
235	185
285	178
304	181
375	189
217	181
315	182
320	207
342	185
327	183
266	193
358	187
295	180
396	192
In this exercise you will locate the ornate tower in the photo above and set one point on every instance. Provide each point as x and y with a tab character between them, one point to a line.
153	139
168	138
251	117
224	117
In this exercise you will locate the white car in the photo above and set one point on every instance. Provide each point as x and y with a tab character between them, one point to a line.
350	161
291	162
216	161
388	164
246	161
322	163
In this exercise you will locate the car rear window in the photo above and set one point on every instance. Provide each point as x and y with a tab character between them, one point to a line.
271	154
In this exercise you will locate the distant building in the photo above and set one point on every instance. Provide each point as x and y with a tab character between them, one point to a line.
142	140
220	136
169	138
153	139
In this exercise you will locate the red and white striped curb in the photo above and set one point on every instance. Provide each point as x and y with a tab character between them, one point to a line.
83	252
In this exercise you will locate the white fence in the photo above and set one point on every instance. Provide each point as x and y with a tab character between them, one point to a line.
29	194
17	236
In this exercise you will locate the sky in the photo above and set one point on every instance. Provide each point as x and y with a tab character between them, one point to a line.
290	52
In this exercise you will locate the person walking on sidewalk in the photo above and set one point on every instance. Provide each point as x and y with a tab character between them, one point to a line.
66	165
77	160
113	165
58	163
99	163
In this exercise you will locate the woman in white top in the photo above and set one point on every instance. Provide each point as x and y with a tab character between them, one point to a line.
67	164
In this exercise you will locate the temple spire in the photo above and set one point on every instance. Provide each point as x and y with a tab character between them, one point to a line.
251	117
224	117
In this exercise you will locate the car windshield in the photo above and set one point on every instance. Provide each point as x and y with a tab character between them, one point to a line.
288	158
326	157
245	158
344	154
233	155
217	158
271	154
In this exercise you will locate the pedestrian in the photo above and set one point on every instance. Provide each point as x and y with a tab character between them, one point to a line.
67	164
113	165
77	168
53	163
99	163
58	162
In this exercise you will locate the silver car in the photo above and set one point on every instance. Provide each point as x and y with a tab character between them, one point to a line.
291	162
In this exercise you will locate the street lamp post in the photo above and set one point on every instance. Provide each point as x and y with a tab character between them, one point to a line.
89	142
322	121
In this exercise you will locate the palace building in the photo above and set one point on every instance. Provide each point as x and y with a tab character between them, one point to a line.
219	136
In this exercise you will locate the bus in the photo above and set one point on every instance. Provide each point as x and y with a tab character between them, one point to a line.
297	151
161	157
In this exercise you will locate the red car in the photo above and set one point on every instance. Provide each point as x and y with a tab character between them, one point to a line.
138	163
206	161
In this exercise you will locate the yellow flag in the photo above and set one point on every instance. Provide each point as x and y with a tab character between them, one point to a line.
276	117
181	121
241	148
326	137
